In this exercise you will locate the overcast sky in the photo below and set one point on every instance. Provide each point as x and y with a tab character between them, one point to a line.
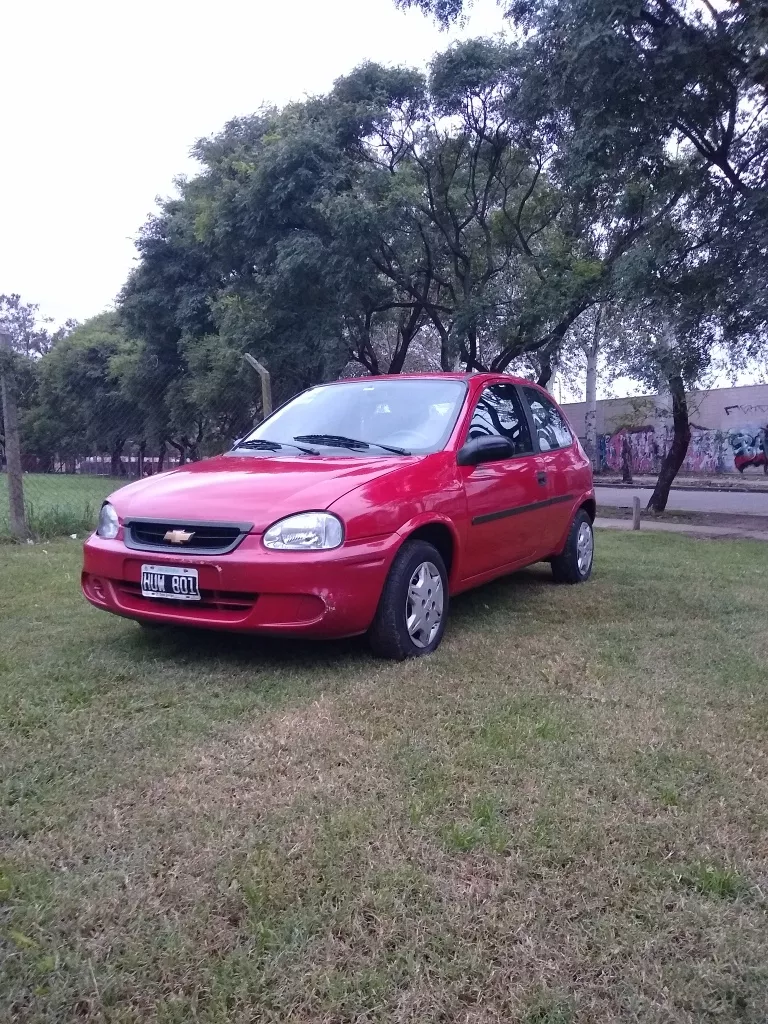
101	102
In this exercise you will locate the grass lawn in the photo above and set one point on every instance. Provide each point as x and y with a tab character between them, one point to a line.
562	816
57	504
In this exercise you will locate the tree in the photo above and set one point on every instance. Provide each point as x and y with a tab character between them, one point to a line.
666	346
454	214
29	335
585	339
629	77
299	203
81	407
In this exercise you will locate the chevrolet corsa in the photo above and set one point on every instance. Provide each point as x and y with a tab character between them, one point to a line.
357	507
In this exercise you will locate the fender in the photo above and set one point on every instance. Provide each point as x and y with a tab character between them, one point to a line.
432	519
583	499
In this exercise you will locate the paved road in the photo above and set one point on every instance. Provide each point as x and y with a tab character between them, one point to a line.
738	503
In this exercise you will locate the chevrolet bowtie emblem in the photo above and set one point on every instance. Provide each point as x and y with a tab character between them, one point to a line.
178	536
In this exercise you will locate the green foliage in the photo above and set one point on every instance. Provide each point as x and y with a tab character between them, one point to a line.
29	331
630	77
81	406
397	219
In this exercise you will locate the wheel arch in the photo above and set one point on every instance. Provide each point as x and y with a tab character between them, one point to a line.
441	536
590	507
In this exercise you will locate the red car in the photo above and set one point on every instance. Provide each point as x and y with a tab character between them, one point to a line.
357	507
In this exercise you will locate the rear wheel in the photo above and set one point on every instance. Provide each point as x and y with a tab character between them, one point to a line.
410	620
574	565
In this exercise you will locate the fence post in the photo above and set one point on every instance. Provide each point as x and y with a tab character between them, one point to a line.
12	445
266	384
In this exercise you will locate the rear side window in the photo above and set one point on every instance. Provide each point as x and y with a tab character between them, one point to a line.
551	429
500	413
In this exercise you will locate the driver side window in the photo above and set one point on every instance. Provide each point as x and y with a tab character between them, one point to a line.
500	413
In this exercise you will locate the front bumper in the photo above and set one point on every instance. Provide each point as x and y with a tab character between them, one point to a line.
302	593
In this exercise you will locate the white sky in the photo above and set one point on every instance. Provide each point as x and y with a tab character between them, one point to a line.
101	102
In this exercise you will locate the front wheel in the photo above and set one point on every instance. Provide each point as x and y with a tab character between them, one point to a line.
574	565
410	620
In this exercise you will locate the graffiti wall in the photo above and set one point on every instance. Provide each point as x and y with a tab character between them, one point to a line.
743	449
729	430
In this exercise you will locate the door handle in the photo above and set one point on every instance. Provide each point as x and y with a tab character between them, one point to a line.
541	477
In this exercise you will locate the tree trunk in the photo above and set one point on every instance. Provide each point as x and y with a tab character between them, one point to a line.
469	349
590	415
192	445
406	332
115	461
681	438
545	369
447	360
626	459
161	457
181	450
140	463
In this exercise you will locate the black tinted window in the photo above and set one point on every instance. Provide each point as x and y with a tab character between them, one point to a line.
499	412
551	429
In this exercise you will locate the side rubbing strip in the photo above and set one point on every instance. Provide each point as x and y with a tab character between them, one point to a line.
490	516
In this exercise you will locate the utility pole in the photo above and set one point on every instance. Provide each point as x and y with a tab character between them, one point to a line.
12	443
266	384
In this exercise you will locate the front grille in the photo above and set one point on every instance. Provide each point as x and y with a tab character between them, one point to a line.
220	600
205	539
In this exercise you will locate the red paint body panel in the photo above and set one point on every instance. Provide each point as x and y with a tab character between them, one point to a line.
380	500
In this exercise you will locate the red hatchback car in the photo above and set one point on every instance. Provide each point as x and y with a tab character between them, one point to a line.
357	507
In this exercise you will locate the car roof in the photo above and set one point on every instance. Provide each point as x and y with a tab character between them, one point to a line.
481	377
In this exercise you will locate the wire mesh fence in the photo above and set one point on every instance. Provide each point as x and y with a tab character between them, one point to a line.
63	496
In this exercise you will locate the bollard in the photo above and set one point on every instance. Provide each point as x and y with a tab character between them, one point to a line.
635	513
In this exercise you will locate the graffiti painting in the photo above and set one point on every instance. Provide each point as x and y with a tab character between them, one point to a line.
750	449
709	451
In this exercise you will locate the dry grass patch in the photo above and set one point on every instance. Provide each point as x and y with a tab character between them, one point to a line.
559	818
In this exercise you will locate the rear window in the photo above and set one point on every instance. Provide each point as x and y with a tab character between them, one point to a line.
551	429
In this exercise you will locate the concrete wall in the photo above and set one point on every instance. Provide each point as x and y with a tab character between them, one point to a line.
729	428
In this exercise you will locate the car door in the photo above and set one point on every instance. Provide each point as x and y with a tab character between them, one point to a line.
501	496
555	443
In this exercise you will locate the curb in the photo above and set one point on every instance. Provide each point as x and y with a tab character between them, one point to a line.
707	488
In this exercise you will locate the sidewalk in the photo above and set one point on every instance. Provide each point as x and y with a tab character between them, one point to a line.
728	532
722	482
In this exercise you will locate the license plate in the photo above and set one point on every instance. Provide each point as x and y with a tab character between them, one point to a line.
169	582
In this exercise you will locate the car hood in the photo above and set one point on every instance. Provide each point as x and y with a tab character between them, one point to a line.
248	489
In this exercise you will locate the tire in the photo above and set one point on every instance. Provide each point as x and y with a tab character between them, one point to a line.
573	565
418	565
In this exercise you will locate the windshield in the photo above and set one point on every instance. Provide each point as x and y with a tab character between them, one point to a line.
382	417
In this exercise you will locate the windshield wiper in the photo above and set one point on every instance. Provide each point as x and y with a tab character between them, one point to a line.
338	441
262	445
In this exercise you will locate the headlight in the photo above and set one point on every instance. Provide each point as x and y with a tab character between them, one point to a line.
109	524
309	531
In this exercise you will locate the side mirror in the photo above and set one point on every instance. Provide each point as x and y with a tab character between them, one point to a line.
488	448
